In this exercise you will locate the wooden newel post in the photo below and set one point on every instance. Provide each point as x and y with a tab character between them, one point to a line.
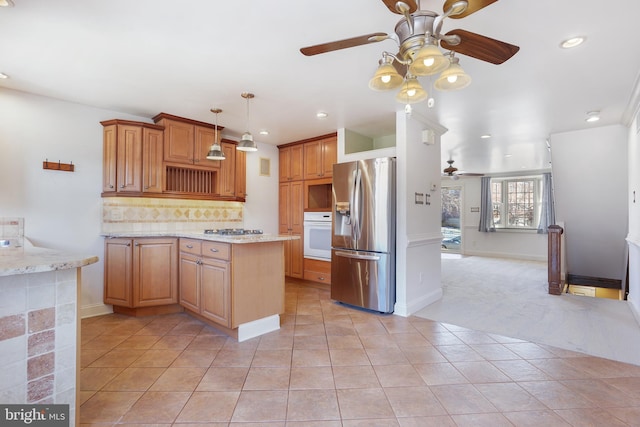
554	256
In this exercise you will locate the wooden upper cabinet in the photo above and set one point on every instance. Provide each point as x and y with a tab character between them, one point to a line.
187	141
204	138
241	174
152	155
291	163
227	174
132	157
319	157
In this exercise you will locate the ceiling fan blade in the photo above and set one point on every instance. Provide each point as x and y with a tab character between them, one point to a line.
411	4
474	6
481	47
340	44
470	174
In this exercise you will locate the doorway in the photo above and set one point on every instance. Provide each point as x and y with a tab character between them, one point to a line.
451	226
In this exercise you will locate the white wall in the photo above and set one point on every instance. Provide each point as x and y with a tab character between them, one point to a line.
634	216
591	180
516	244
418	225
62	210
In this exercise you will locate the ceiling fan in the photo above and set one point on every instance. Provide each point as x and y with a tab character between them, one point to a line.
417	36
418	25
452	171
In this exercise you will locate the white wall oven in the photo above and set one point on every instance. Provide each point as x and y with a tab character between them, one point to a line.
317	235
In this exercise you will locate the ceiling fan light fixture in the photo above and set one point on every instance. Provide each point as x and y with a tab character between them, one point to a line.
386	76
428	60
411	92
453	78
6	3
247	143
215	151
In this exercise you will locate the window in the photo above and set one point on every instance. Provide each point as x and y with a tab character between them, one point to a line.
516	202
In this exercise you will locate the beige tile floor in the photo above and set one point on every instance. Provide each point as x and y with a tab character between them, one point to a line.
331	365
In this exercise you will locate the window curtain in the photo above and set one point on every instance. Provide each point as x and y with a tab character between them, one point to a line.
547	210
486	206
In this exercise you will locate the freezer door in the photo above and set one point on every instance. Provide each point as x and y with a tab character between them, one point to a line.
344	176
363	279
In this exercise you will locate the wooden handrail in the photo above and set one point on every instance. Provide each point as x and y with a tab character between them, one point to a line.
555	260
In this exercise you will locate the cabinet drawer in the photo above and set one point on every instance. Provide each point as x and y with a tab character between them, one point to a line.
316	276
191	246
216	250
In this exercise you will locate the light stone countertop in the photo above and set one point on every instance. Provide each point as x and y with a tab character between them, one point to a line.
244	238
29	259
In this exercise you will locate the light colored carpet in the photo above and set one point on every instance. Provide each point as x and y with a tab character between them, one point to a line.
510	297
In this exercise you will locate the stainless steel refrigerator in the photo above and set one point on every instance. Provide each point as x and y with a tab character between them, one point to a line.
363	237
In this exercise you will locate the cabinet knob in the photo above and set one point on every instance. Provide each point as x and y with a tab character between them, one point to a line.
128	244
110	185
320	278
189	246
137	244
121	185
214	250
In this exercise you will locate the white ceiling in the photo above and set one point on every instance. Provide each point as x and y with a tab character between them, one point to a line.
148	56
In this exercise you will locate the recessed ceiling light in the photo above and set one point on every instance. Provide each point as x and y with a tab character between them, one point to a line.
572	42
6	3
322	115
592	116
3	76
264	132
485	136
508	155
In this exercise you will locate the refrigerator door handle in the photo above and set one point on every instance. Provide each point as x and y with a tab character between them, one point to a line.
357	205
357	256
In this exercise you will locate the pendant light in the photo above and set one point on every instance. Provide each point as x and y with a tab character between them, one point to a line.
215	152
246	143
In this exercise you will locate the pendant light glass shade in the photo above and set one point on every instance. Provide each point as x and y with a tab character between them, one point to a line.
411	91
246	143
428	61
215	152
386	76
453	78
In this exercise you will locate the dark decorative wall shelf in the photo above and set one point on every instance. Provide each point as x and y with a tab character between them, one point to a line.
65	167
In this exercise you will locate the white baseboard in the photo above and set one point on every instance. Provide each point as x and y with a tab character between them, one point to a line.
258	327
95	310
406	310
509	255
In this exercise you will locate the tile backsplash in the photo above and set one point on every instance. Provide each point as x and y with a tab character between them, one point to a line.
133	214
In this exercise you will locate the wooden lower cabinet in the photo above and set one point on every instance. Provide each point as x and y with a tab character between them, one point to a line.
231	284
317	271
205	284
141	274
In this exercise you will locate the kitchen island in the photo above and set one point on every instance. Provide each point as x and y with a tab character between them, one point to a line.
39	326
232	282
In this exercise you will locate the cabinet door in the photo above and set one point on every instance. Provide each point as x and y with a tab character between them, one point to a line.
152	153
155	267
313	160
204	138
227	174
178	142
190	281
297	207
284	207
129	158
109	159
215	291
297	162
297	257
241	174
329	156
118	272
